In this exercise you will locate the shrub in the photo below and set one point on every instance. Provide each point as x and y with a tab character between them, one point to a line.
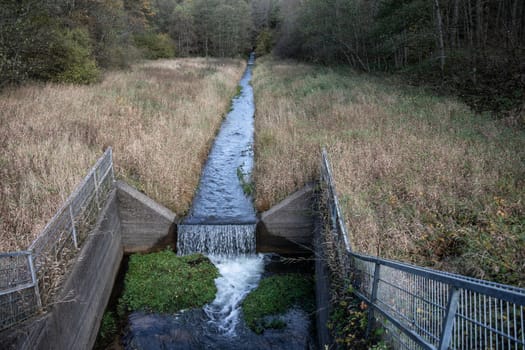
155	46
74	57
264	43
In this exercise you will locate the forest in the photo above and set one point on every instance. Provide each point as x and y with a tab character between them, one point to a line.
472	48
421	176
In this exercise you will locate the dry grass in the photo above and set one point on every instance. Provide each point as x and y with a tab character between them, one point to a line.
160	119
420	178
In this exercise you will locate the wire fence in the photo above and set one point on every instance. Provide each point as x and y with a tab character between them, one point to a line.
30	279
19	296
421	308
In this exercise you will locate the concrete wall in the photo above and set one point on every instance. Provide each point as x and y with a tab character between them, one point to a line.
73	321
287	228
322	291
145	224
129	222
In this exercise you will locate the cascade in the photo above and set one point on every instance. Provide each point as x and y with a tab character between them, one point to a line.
221	223
216	240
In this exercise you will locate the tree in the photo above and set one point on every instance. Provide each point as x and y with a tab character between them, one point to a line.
36	43
222	26
182	29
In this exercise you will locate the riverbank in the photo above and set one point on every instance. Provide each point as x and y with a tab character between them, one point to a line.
157	116
420	178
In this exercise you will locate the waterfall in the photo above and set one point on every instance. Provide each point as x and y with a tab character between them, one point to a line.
231	248
217	223
216	240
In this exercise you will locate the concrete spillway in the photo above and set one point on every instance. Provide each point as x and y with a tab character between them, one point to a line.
217	240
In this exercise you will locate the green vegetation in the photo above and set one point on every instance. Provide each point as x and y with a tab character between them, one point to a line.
247	186
239	91
420	178
274	296
348	323
76	63
263	43
165	282
108	330
155	46
442	43
69	41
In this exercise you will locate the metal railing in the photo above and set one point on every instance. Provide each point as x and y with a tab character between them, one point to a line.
421	308
19	296
27	278
67	228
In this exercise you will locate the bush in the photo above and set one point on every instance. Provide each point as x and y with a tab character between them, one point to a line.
74	57
155	46
264	43
119	56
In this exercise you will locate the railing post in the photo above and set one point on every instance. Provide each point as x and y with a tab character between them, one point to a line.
111	165
73	228
34	279
448	322
373	298
96	188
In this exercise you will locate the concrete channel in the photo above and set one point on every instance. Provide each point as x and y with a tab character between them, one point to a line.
132	222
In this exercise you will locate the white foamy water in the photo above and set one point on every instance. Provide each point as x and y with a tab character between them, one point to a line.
216	240
238	277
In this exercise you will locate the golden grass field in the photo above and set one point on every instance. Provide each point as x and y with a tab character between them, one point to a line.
159	117
420	178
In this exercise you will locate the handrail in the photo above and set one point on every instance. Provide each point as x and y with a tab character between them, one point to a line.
425	308
20	272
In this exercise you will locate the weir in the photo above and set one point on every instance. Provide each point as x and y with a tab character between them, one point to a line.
216	240
222	218
222	222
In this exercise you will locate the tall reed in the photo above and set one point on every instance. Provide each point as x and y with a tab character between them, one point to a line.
421	178
160	117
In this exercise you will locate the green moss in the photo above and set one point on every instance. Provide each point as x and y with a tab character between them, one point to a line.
165	282
274	296
107	332
247	186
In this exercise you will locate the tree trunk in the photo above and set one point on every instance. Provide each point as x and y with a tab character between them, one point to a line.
441	44
454	28
479	25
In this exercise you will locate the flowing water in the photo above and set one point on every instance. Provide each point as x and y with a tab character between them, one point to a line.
217	240
222	219
238	277
220	197
221	224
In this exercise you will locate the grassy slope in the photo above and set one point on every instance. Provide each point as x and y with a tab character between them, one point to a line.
160	119
421	178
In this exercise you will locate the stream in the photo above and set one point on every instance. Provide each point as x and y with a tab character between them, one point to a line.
221	224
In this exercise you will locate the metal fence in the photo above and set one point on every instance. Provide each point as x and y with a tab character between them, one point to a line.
421	308
28	279
19	297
